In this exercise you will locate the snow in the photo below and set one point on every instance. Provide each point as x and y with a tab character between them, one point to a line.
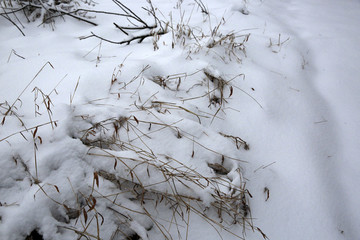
131	125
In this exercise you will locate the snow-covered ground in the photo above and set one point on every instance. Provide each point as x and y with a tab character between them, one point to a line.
107	141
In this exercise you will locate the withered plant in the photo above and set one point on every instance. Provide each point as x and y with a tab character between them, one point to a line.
45	10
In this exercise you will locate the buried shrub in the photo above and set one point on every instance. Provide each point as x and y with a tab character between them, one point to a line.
144	159
45	10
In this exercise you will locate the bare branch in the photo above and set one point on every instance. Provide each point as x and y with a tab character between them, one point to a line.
128	41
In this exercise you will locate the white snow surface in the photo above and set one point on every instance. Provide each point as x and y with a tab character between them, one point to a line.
294	78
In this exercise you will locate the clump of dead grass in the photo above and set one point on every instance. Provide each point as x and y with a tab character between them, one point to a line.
121	150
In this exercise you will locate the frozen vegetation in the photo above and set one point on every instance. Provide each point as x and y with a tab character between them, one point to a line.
179	119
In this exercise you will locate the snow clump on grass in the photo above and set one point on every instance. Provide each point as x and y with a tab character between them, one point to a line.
115	167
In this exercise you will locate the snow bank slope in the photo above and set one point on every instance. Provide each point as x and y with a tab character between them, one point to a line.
315	152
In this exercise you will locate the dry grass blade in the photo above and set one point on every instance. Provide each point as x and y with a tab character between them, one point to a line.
22	92
5	15
26	130
15	53
238	141
73	95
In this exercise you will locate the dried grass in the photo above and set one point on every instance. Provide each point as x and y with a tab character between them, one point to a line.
108	138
